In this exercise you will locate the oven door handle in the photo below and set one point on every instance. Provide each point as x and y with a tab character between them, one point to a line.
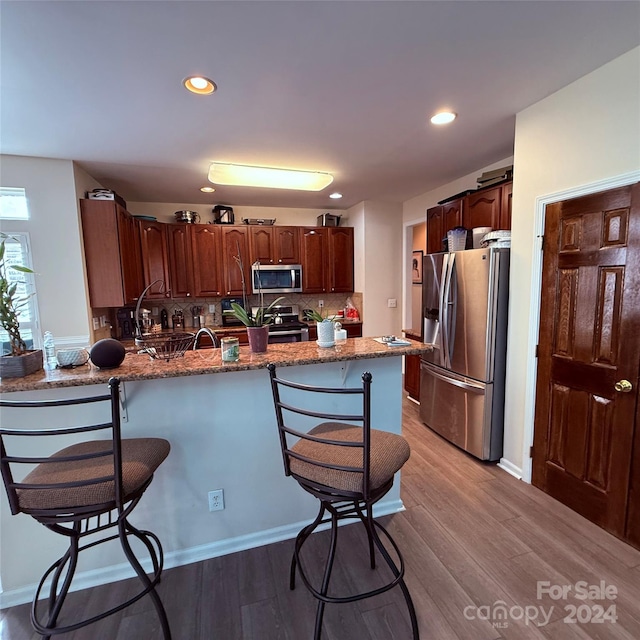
293	332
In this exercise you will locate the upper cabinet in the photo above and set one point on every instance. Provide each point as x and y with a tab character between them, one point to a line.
489	207
274	245
340	259
206	249
326	255
180	260
155	258
112	253
235	243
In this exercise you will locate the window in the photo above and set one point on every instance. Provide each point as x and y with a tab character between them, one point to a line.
17	251
13	203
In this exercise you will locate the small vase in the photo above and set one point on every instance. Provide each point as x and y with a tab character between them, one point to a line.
326	333
22	365
258	338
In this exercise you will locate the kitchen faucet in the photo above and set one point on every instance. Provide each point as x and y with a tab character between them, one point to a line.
211	334
136	317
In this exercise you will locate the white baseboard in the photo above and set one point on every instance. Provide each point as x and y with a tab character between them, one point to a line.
106	575
510	468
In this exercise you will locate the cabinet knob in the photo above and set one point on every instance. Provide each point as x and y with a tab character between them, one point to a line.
167	294
188	295
623	386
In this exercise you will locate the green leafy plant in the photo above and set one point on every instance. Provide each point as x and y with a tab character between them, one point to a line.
316	316
11	302
262	316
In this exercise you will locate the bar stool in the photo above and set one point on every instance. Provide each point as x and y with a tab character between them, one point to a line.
348	468
83	489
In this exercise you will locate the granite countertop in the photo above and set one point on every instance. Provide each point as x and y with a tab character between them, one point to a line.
205	361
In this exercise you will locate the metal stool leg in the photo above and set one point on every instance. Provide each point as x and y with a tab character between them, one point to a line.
150	585
327	572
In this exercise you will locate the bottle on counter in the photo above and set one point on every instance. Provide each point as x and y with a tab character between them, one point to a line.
49	346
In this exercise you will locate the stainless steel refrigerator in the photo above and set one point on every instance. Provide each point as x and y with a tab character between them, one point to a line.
464	299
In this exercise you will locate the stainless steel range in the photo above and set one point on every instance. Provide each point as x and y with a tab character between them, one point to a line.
286	325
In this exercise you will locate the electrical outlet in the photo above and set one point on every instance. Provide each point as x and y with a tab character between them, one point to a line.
320	304
216	500
212	308
103	321
392	303
96	324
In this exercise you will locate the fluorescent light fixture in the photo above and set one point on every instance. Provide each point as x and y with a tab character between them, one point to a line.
335	196
248	176
200	85
207	189
444	117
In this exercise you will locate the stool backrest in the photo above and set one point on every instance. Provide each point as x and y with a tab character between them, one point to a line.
9	463
285	412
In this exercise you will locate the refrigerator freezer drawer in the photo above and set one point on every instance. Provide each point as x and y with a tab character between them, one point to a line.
459	410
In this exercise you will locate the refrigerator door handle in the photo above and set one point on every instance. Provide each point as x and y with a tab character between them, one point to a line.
445	310
442	311
467	386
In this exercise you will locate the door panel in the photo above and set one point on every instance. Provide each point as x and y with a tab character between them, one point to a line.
589	328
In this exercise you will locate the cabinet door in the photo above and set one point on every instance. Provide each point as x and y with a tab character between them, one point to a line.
287	245
505	209
155	258
235	242
314	254
131	260
261	243
353	330
412	376
340	259
482	209
180	260
112	253
452	215
207	260
435	230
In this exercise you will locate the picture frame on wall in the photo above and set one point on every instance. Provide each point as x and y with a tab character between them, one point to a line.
416	267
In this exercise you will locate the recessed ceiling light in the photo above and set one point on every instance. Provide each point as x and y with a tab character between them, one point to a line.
207	189
249	176
335	196
444	117
200	85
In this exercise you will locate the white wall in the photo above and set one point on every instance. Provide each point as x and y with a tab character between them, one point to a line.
587	132
55	242
378	264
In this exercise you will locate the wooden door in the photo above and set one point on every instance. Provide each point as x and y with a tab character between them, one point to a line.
340	259
482	209
261	244
435	230
505	207
589	342
452	213
207	260
129	243
313	257
235	243
180	260
155	258
287	245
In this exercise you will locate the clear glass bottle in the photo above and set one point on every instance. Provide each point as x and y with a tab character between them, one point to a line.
49	345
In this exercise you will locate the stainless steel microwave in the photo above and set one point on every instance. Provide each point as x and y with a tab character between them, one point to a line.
281	278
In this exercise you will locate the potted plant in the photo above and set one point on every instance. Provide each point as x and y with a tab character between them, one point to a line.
258	324
325	327
21	361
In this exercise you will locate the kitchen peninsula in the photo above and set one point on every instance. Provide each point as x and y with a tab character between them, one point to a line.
220	420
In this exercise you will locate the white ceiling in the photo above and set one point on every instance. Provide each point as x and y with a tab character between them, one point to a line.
342	87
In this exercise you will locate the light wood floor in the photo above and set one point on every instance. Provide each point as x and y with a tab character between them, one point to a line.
471	536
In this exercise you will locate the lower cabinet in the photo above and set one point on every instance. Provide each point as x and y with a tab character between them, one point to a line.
354	330
412	371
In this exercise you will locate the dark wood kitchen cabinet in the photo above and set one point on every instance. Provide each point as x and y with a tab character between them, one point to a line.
180	260
206	249
155	258
505	208
314	255
274	245
412	370
235	242
112	253
482	209
435	229
340	259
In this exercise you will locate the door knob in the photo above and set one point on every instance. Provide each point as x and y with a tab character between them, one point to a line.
623	386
